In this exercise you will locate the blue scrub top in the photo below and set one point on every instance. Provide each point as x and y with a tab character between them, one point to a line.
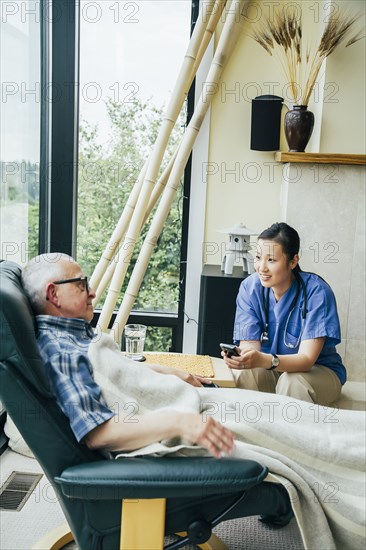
321	319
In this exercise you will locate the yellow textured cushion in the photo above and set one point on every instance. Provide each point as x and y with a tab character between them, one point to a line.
194	364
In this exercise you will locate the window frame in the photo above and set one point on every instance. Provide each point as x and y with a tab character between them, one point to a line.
60	59
59	127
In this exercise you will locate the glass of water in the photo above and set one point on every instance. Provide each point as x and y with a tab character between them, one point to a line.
135	340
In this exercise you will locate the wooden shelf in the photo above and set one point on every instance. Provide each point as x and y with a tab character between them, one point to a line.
320	158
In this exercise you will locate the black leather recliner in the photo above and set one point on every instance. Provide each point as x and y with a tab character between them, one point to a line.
173	495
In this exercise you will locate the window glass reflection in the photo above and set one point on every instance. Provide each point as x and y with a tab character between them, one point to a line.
131	54
19	129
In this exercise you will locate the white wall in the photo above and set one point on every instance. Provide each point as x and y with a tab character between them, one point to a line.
244	185
343	127
331	221
250	193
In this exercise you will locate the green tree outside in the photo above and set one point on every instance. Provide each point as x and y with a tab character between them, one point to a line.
106	177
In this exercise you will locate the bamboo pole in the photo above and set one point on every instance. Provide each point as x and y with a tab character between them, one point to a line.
228	39
104	282
161	183
172	113
215	15
117	234
108	274
102	273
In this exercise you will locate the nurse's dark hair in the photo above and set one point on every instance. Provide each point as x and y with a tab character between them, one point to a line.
286	236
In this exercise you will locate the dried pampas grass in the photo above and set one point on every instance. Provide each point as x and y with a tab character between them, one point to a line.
282	37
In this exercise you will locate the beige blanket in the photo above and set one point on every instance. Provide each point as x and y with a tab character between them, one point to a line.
318	453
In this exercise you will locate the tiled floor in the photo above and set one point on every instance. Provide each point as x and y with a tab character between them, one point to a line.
40	514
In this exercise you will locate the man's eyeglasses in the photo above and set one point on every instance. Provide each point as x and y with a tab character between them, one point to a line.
82	280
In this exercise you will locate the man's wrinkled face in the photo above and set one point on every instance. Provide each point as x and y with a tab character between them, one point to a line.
74	299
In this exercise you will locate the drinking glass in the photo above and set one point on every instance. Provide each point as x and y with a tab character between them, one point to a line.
135	340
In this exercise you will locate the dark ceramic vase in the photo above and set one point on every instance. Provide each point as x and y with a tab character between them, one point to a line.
299	124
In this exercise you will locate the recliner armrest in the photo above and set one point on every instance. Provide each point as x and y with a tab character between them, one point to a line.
165	477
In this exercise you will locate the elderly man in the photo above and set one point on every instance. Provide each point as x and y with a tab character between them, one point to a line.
62	300
317	453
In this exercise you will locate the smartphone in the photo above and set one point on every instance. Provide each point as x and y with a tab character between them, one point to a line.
230	350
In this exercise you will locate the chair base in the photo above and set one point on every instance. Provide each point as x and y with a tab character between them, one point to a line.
55	539
213	543
144	522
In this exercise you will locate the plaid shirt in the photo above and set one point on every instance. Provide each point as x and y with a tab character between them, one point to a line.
64	344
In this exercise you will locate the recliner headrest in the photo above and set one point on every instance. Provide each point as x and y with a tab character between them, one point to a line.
18	343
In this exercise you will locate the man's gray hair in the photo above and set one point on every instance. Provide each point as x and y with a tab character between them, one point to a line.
40	271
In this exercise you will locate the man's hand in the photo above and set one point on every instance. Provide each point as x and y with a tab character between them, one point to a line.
207	433
193	379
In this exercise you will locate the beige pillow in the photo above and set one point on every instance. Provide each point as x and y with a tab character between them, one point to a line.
16	442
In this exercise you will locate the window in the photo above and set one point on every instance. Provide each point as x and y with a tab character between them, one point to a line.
76	139
130	56
20	129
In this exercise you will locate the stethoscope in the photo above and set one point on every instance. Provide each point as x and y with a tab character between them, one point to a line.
265	302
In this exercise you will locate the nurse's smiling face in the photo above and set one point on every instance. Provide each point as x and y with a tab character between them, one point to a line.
274	268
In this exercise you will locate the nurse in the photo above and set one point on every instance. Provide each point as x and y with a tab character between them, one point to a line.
286	325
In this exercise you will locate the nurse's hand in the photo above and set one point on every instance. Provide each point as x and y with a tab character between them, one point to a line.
254	359
250	358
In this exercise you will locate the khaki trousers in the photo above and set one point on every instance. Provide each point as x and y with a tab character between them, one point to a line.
320	385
